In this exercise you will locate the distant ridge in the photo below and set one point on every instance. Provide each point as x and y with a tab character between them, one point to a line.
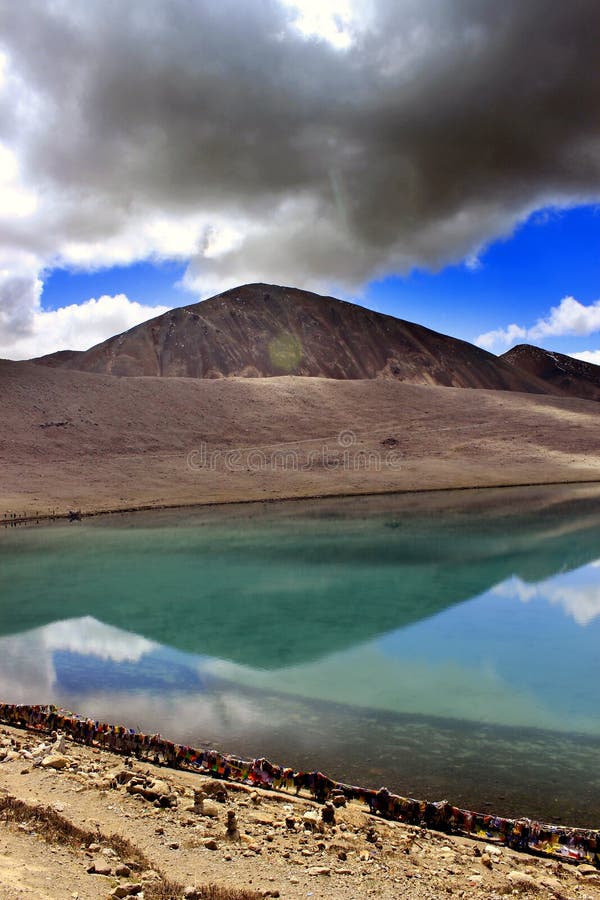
57	360
262	330
564	374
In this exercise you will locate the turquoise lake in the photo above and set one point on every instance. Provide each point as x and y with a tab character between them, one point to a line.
445	650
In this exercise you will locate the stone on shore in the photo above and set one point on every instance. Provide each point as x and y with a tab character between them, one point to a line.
100	867
522	881
56	761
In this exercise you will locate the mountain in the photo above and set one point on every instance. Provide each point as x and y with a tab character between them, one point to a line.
261	330
562	373
59	359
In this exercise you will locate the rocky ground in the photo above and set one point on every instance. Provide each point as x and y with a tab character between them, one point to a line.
80	823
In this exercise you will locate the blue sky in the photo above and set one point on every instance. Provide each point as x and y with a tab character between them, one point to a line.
555	254
152	284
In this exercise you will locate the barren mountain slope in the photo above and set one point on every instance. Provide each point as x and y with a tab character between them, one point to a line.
72	439
264	330
573	377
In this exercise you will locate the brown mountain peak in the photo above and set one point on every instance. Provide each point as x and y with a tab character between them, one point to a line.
562	373
264	330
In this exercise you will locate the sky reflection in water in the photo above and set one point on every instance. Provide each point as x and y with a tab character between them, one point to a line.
450	701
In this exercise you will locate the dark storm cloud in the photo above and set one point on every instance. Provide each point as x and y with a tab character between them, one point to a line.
19	296
443	124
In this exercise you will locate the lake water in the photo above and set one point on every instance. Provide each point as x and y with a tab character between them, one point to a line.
443	649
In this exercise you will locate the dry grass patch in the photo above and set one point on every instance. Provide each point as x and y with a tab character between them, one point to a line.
55	828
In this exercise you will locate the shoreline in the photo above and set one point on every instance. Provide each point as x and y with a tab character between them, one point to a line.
155	444
568	843
84	823
15	519
116	826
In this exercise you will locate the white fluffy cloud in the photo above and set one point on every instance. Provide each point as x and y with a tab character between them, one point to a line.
330	20
16	201
74	327
570	317
27	670
579	601
502	337
591	356
320	143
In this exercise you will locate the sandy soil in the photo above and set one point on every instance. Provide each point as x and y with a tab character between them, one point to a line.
282	848
71	440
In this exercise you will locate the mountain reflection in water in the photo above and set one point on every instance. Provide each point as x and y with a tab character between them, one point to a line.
444	655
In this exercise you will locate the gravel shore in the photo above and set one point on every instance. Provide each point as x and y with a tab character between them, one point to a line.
80	823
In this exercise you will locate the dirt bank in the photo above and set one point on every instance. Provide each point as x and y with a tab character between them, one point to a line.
77	822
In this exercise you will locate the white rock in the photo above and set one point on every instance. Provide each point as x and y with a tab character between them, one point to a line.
311	818
192	893
522	881
59	747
